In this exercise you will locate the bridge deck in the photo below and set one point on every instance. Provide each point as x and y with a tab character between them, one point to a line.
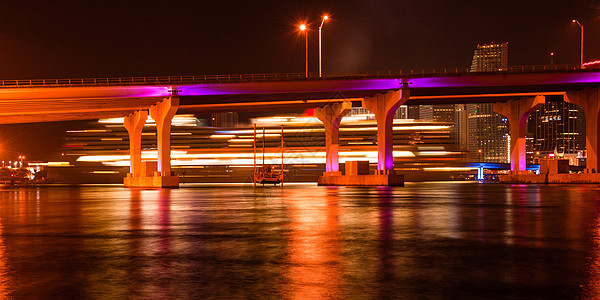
55	100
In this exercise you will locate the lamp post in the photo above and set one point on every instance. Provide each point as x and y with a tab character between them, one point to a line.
304	29
320	27
581	27
552	58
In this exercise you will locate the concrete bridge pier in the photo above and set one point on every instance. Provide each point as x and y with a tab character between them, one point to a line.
384	107
517	111
331	115
163	113
589	100
134	123
152	174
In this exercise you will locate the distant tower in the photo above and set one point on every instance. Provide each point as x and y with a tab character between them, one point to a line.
488	138
224	119
490	58
460	121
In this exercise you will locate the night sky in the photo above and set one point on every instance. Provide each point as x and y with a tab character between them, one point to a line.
72	39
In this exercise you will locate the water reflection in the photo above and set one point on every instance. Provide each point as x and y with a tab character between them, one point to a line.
591	288
430	240
5	277
314	245
386	239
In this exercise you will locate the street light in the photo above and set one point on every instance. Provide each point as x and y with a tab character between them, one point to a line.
325	18
551	58
581	57
304	29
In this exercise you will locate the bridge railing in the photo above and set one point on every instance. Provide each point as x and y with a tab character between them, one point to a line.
446	71
150	80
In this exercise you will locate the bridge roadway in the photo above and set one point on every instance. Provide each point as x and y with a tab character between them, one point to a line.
33	101
516	94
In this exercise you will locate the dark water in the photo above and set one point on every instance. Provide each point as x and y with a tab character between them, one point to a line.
425	240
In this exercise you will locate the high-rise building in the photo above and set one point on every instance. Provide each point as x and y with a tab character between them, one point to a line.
490	58
224	119
557	127
488	134
438	112
488	138
444	112
460	123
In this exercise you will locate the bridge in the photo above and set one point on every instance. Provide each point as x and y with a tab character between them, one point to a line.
516	93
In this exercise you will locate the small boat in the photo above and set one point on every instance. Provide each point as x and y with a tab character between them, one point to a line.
266	175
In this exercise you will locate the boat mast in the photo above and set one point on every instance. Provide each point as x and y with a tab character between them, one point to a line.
281	154
254	173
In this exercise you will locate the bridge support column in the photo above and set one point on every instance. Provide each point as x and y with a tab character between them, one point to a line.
331	116
589	100
384	107
163	113
134	123
517	112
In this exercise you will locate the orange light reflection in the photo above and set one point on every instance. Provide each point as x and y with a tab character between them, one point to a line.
314	246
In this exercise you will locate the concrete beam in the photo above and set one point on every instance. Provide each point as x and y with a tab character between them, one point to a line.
384	107
517	111
589	100
134	123
331	115
163	113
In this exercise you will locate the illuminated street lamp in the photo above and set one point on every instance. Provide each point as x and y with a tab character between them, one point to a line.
581	57
305	31
325	18
551	58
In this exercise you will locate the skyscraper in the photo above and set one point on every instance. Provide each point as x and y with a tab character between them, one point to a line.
224	119
460	123
488	138
557	127
490	58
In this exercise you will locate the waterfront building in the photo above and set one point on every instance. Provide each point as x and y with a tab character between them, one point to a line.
557	128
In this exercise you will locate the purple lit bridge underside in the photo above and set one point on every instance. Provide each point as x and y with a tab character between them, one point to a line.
80	102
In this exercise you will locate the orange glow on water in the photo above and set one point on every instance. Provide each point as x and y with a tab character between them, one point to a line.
4	275
314	247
